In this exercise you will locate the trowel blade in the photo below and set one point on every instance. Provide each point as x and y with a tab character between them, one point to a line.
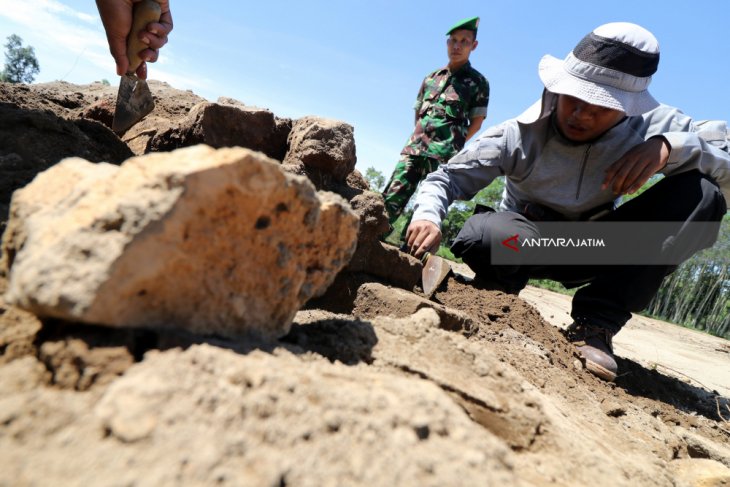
435	270
134	101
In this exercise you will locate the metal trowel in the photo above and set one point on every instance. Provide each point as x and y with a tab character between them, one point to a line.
134	99
435	270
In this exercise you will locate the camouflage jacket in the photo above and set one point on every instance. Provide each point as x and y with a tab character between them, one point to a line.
446	103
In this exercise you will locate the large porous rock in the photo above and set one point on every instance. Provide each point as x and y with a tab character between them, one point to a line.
223	125
211	241
325	147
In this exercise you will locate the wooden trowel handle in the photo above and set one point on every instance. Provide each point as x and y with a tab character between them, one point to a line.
145	12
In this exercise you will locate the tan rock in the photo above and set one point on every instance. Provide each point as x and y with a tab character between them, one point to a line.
141	138
388	263
700	472
373	297
227	126
211	241
702	447
322	144
373	219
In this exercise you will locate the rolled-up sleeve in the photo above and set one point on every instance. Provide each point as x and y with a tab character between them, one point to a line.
480	100
691	151
694	145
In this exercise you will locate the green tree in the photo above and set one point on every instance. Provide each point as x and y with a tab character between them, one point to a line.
697	294
375	178
21	65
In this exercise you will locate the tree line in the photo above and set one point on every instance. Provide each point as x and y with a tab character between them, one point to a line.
697	294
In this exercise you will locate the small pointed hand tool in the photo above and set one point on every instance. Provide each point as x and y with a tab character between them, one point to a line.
134	99
435	270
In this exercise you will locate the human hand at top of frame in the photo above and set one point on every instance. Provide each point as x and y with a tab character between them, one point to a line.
116	15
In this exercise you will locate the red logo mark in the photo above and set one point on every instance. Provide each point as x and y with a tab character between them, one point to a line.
511	243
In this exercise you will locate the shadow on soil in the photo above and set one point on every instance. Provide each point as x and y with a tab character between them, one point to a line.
637	380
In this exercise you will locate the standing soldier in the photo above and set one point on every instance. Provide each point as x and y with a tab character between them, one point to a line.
450	108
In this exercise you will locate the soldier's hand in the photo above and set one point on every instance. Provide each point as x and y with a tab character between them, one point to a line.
423	236
635	167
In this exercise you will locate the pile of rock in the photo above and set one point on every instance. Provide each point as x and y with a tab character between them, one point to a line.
225	242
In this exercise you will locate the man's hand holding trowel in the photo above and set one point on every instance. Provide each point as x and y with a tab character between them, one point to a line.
423	239
423	236
117	17
135	29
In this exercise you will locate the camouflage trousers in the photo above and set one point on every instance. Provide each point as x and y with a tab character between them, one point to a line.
409	171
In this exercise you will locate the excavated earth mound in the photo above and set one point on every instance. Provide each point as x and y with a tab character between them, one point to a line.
372	385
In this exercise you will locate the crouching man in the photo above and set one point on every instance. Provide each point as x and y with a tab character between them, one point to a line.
595	135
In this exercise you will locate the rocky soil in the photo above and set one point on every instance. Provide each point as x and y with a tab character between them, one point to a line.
371	385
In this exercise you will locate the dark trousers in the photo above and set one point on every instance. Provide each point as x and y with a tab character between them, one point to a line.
612	292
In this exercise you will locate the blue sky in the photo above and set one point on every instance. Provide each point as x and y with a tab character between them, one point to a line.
363	61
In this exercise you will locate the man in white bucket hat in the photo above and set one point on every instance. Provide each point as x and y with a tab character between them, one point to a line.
595	135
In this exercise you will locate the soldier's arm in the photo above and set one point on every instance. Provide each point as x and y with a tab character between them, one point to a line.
474	125
478	109
419	101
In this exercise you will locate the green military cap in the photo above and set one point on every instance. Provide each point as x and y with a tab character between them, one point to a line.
468	24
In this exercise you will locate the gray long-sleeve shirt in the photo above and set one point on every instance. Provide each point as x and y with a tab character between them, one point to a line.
543	167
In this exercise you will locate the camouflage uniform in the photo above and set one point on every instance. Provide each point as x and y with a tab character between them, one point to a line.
446	102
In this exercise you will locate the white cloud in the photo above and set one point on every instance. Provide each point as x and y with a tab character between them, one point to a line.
57	7
38	13
59	27
71	44
201	86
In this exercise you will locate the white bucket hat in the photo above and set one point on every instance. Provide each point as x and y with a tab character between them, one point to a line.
610	67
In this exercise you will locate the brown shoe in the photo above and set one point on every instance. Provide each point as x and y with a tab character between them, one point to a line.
596	349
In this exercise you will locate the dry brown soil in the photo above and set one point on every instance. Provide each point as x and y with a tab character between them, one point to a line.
669	404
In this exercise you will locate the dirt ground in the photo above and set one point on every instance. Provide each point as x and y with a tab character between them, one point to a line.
382	387
536	398
697	358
